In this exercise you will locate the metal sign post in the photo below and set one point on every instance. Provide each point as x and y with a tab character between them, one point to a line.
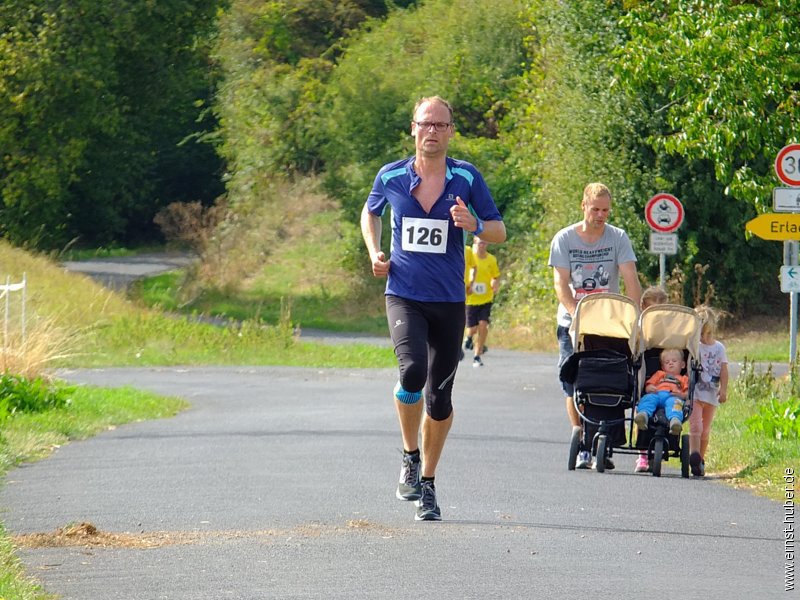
790	248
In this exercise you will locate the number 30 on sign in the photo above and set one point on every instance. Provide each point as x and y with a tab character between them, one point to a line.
787	165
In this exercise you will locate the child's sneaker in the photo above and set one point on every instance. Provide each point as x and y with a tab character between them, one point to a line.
642	464
641	420
675	426
695	462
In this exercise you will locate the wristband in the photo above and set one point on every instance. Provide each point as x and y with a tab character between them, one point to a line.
478	227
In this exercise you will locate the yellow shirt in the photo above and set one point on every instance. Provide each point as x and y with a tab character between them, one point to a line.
486	269
469	264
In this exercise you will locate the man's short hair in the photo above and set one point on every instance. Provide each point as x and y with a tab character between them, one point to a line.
438	99
595	190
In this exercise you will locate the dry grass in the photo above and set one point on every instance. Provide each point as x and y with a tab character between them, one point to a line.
44	342
537	334
58	315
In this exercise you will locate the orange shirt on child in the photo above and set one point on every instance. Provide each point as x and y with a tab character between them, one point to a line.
669	383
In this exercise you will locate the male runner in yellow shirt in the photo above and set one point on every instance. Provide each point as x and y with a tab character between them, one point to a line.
482	284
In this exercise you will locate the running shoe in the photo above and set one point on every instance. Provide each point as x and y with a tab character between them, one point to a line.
477	362
468	343
427	507
584	460
408	488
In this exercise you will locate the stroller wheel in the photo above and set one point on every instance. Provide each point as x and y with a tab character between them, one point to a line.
684	456
574	446
658	454
600	458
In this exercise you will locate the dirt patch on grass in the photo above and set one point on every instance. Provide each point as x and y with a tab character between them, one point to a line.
88	535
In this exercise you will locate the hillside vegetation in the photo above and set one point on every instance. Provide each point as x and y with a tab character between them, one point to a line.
548	96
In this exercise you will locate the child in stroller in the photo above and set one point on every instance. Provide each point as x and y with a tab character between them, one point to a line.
667	326
666	389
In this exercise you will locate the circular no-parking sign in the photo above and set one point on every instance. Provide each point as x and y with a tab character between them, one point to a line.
663	213
787	165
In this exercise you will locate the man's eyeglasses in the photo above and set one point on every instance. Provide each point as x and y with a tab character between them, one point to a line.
437	126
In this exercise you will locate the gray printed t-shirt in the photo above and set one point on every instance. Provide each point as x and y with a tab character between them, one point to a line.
592	267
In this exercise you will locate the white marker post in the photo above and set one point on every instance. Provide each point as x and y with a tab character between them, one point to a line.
664	214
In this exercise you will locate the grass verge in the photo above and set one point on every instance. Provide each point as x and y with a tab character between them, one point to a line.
745	449
151	339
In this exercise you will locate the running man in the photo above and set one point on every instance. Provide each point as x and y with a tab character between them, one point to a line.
434	201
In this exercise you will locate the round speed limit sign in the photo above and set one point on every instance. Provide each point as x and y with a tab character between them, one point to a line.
787	165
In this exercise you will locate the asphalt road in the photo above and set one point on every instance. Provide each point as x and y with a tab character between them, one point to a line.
279	483
119	272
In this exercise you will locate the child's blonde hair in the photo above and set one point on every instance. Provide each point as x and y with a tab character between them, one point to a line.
709	318
666	351
653	295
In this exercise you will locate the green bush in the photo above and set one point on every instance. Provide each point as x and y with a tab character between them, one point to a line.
776	419
18	394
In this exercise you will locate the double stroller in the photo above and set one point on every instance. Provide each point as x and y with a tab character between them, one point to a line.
616	350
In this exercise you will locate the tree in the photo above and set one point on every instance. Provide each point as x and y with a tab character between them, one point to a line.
728	82
94	99
722	82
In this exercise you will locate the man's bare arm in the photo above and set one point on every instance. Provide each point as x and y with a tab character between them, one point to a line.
371	232
633	289
563	291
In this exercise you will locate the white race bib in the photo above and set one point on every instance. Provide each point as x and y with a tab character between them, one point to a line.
479	288
424	235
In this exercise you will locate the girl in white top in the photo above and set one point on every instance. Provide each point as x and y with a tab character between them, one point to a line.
710	391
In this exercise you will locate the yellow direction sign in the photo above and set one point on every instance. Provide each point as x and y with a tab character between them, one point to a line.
773	226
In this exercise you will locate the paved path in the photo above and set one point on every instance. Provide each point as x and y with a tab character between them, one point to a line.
279	483
119	272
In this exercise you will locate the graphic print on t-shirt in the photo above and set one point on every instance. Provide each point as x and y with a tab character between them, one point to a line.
589	270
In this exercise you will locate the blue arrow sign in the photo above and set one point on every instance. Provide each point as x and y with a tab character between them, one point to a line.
790	278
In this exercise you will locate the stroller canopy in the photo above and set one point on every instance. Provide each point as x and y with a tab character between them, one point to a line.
670	326
607	315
